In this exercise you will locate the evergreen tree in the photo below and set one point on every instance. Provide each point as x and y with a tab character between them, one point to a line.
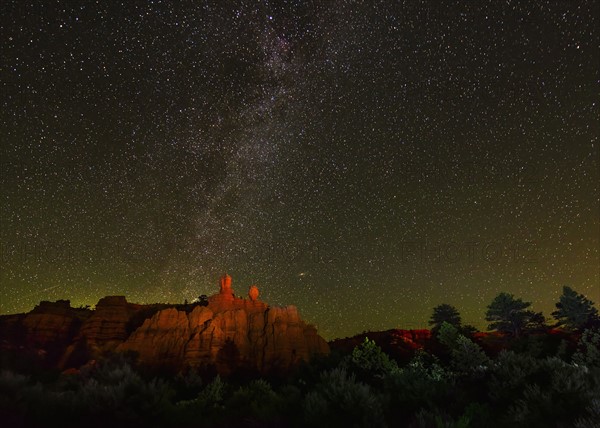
510	315
465	355
444	313
575	311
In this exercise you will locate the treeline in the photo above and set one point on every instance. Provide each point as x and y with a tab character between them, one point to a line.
510	315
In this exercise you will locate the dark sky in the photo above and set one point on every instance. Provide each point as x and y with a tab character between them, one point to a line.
364	161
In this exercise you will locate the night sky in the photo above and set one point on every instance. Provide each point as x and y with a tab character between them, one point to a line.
364	161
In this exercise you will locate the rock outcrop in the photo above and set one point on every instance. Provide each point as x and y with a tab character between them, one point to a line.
51	323
44	334
225	331
102	332
253	293
230	333
106	328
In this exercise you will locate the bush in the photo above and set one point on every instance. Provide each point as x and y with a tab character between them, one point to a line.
466	357
340	401
119	394
541	393
588	349
438	419
257	401
369	363
16	391
422	384
592	419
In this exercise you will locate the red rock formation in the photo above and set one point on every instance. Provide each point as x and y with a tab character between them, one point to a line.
399	344
44	333
103	331
229	333
50	322
225	285
106	328
253	293
413	338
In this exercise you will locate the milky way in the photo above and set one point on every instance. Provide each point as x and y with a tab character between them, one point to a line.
364	161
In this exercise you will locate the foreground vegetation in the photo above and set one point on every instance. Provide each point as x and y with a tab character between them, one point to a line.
537	378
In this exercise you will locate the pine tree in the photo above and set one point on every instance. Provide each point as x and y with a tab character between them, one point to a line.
510	315
575	311
444	313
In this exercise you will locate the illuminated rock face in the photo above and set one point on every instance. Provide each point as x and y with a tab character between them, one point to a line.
226	286
230	333
106	328
253	293
50	322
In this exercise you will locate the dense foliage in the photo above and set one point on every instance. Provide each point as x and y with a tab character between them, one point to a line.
462	388
525	378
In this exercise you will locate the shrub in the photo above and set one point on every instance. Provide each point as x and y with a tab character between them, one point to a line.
592	419
466	357
422	384
369	362
547	392
588	349
120	394
256	400
340	401
439	419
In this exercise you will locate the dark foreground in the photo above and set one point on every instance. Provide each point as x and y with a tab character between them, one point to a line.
457	380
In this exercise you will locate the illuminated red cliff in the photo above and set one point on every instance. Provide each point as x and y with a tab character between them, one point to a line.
230	332
227	333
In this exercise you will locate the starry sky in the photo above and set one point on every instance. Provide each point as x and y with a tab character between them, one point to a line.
364	161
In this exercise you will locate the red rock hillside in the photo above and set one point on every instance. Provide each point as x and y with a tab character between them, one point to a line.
228	333
397	343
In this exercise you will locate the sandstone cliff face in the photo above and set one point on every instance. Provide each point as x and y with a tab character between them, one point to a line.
103	331
229	333
43	334
106	328
51	322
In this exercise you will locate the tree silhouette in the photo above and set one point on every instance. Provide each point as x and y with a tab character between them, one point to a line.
575	311
510	315
444	313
